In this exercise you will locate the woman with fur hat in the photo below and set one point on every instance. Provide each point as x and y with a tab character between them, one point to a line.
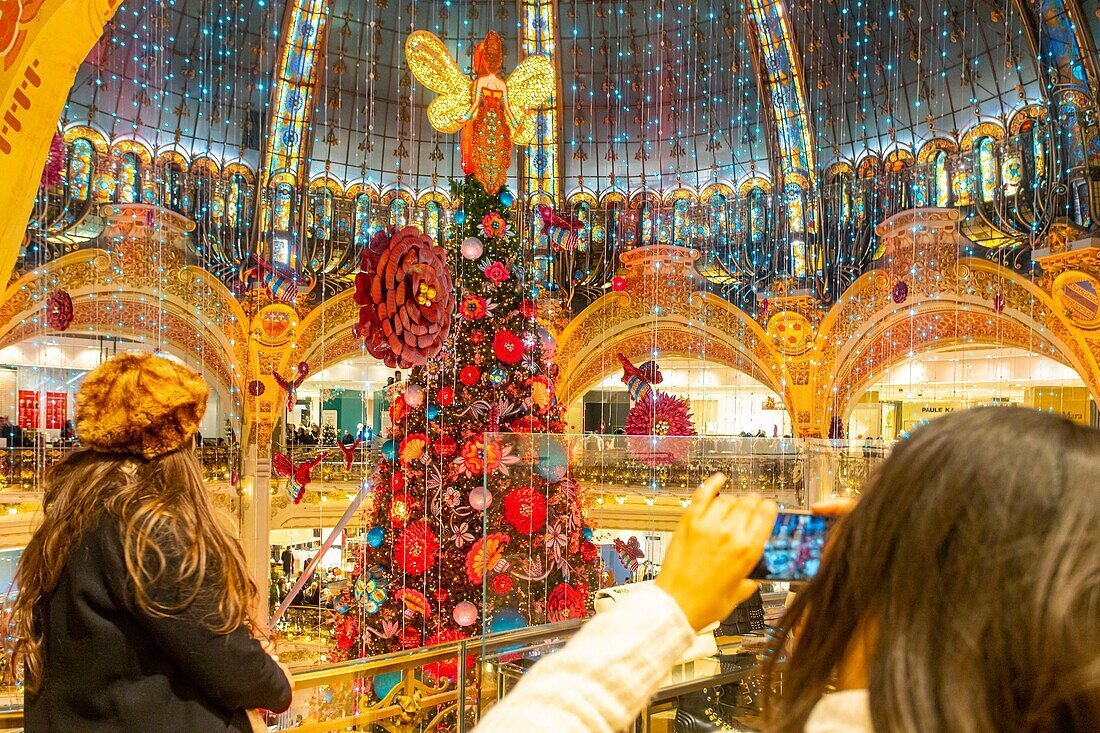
134	610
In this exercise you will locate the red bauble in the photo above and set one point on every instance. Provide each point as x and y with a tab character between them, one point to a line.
589	552
442	595
618	284
527	308
469	375
445	397
507	347
445	446
501	584
397	481
525	510
410	637
900	293
415	549
448	668
565	602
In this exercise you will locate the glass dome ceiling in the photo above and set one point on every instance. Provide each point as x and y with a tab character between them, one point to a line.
654	95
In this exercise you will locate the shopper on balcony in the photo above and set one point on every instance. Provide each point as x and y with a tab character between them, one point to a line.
134	604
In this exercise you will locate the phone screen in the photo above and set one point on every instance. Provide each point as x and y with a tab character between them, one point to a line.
793	552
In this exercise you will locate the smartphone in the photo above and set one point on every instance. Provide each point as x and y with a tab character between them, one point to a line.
793	552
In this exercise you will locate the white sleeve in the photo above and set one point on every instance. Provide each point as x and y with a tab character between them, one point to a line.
603	677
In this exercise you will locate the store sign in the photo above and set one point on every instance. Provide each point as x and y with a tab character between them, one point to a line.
57	410
28	409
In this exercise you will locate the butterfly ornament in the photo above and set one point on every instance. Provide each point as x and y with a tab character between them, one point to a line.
297	475
290	386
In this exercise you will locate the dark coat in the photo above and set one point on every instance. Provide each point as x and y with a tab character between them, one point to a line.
109	666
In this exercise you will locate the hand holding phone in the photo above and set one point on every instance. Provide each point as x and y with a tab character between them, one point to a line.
793	551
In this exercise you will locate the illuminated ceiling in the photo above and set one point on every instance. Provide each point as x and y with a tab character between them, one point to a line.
660	92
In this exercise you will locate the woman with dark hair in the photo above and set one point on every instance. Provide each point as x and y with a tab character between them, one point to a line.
134	606
962	593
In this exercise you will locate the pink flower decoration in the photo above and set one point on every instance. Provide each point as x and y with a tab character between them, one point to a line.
497	273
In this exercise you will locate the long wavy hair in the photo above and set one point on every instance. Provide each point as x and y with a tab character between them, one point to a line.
158	503
968	576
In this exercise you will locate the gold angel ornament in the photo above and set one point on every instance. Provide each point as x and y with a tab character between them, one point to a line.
492	113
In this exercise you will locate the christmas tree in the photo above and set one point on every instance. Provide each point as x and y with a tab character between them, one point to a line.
468	532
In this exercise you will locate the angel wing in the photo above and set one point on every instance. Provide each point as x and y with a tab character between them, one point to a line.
432	65
530	86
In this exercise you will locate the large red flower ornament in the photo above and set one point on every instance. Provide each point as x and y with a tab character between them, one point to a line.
565	602
525	510
416	548
59	310
406	297
507	347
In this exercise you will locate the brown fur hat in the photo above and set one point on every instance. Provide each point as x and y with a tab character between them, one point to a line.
140	404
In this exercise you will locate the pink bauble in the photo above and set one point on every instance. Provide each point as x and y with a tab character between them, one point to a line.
414	396
480	499
465	613
472	248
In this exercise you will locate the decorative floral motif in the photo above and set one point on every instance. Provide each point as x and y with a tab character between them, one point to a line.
501	584
497	273
525	510
405	292
485	556
412	447
493	226
479	456
370	590
473	307
507	347
565	602
659	413
59	310
415	549
469	375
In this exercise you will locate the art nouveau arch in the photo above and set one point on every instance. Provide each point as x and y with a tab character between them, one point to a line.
662	311
926	297
97	297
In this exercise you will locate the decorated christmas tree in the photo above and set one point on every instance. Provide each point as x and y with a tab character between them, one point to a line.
468	532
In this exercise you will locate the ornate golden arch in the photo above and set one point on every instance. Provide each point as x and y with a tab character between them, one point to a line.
98	289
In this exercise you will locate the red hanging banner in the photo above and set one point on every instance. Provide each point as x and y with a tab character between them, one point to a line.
28	409
57	410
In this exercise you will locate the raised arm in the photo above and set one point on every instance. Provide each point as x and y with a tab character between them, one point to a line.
600	681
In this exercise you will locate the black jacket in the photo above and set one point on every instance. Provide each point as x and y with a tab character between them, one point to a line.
111	667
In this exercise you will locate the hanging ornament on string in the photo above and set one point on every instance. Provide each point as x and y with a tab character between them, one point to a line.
472	248
900	292
298	475
280	287
406	297
290	386
999	303
349	452
59	310
561	230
